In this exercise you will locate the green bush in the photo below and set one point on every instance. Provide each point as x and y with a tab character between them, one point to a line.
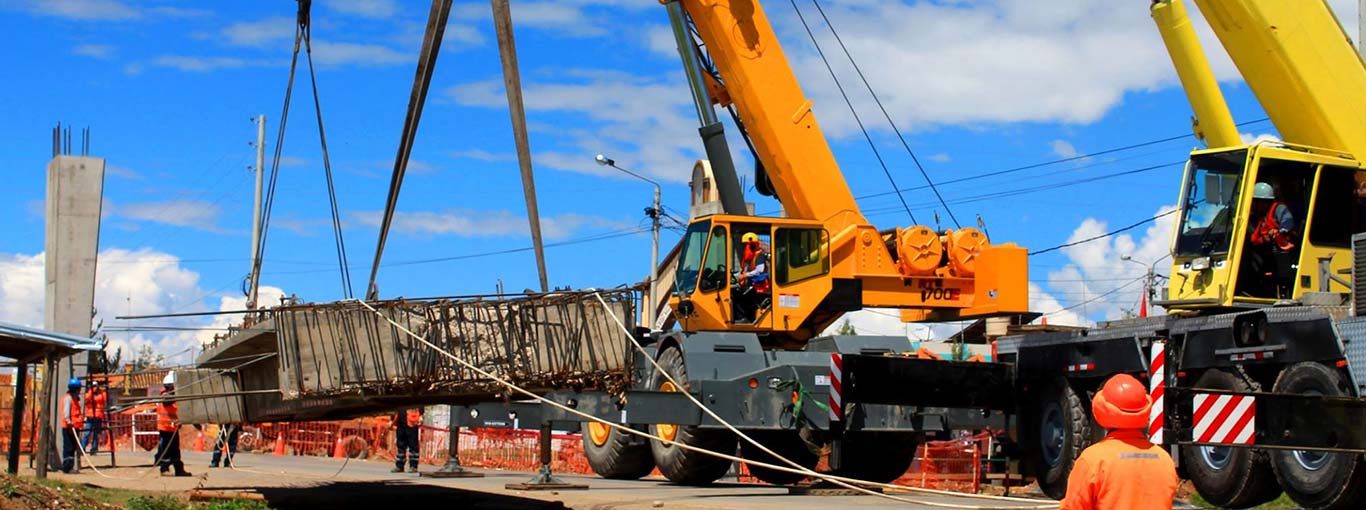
235	504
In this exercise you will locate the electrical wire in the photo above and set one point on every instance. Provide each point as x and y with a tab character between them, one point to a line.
880	106
1107	234
876	154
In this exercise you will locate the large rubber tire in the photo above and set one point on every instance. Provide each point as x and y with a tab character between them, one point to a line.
1318	480
1057	431
1229	477
677	464
879	457
621	456
788	444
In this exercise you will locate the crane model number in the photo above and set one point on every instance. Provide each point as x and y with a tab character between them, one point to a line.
934	290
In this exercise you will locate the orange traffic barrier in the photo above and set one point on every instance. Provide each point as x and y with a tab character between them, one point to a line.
280	445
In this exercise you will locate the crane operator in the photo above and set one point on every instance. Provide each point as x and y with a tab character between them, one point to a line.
753	279
1272	241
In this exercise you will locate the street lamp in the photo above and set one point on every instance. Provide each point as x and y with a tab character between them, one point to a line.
1147	280
654	214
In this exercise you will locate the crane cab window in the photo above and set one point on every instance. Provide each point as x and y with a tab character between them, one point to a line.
690	263
714	272
801	253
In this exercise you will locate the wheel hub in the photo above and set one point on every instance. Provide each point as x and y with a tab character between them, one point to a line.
598	433
1216	457
1052	434
667	431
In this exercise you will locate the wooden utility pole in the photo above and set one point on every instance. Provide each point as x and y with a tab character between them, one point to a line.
512	81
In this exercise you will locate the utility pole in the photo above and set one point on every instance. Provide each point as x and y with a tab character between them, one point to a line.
654	214
512	81
1361	26
255	278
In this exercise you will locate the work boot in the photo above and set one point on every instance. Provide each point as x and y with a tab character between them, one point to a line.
397	470
412	469
183	473
213	465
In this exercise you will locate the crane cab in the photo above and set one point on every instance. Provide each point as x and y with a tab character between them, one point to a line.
1227	252
710	295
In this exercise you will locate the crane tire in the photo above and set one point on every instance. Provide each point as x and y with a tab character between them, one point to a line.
1318	480
677	464
1229	477
789	445
1056	433
614	454
878	457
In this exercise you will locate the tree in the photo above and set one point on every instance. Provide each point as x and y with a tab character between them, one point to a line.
846	329
102	361
147	358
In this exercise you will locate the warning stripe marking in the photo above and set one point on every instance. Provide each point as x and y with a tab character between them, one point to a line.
1225	419
1157	386
836	381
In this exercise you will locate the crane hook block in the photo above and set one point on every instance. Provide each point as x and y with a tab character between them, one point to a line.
965	247
919	251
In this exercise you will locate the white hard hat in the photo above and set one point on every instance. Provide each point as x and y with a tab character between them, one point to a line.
1263	191
169	380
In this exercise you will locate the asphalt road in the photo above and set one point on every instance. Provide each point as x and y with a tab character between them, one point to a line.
312	482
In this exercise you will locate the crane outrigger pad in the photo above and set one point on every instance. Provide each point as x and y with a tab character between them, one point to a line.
538	342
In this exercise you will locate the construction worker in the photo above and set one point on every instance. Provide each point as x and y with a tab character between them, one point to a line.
168	429
753	278
96	403
1123	471
406	425
1272	243
226	446
73	420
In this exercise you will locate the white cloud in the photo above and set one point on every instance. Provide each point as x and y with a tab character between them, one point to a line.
279	30
260	33
127	282
1063	149
364	8
940	157
572	18
84	10
1096	283
643	122
483	155
1250	138
347	53
99	51
195	214
121	171
203	64
467	223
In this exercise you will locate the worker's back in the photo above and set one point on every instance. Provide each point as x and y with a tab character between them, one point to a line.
1122	472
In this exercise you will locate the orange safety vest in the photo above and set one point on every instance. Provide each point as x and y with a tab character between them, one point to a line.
95	402
168	417
414	418
748	263
1122	472
74	419
1268	231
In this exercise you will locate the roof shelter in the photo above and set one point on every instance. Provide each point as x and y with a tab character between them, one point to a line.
25	345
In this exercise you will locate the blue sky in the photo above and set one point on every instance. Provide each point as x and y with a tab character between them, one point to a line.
168	89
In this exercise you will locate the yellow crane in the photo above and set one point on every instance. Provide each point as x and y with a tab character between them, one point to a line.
827	259
1305	73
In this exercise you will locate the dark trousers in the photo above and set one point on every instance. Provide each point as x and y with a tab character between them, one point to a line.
70	441
93	428
227	439
405	441
168	452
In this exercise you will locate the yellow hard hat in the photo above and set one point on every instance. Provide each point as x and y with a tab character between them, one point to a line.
749	237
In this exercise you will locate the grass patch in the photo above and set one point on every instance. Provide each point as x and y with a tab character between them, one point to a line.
1283	502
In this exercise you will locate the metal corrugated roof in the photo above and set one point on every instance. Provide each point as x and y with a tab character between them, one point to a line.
22	342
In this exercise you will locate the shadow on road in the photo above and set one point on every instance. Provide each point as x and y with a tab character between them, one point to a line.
372	495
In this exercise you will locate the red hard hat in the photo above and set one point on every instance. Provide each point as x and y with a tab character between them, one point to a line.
1122	403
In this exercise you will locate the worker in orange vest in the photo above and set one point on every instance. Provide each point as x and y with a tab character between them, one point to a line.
406	425
168	428
73	420
96	403
1123	471
754	288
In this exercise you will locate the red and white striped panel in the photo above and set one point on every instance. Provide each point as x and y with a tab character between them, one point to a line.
836	379
1082	367
1225	419
1157	384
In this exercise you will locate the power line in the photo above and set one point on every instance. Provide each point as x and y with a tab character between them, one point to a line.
1097	298
1107	234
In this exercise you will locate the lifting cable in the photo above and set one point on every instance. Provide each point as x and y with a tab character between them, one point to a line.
303	37
888	116
841	481
859	120
426	64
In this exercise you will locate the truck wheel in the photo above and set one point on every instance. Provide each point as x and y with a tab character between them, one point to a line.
615	454
788	444
1318	480
677	464
1060	430
1225	476
878	457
